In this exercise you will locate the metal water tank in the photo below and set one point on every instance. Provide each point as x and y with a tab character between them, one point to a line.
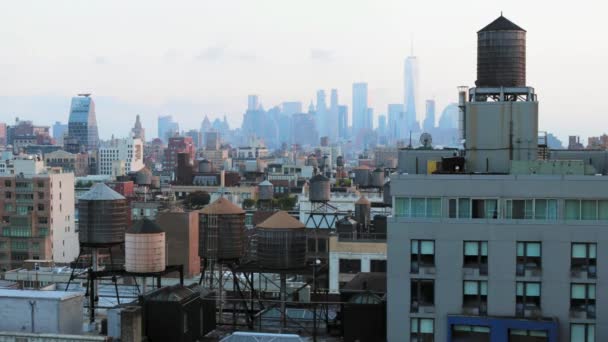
145	248
346	227
340	161
222	231
143	177
281	242
319	189
362	176
501	55
102	216
265	191
386	194
205	166
362	211
377	178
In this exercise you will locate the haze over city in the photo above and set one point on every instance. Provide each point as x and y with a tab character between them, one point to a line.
200	58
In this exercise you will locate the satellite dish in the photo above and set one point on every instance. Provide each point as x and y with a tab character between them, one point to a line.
426	139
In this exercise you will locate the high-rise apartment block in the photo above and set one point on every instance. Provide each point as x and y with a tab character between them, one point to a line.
37	219
497	245
82	125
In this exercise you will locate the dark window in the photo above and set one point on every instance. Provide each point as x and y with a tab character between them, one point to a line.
378	266
484	208
467	333
422	294
422	330
584	259
475	255
528	257
582	301
475	296
8	194
351	266
422	255
8	183
527	298
40	207
516	335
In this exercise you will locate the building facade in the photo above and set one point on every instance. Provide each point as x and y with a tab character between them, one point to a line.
82	125
129	150
37	219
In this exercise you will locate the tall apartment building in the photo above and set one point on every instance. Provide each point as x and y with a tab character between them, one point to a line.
37	222
177	145
497	245
129	150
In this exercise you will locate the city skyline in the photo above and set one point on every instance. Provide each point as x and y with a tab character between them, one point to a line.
191	81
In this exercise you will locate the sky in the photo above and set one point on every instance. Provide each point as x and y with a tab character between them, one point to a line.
197	58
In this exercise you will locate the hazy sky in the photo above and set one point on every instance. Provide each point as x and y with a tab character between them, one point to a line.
191	58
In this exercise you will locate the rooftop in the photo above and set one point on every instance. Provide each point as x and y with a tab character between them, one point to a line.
60	295
101	192
501	24
281	220
222	206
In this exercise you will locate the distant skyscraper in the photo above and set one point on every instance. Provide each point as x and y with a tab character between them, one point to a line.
253	102
396	121
429	119
449	117
138	130
2	133
167	127
359	108
411	92
343	122
59	130
82	125
369	124
321	113
382	125
291	108
332	121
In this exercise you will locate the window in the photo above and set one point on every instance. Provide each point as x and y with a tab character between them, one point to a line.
422	255
8	183
475	333
582	332
520	209
476	255
43	220
378	266
584	259
586	210
40	207
421	330
484	208
459	208
545	209
527	298
582	301
518	335
528	257
41	195
418	207
43	231
422	294
475	295
19	245
322	244
8	194
350	266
